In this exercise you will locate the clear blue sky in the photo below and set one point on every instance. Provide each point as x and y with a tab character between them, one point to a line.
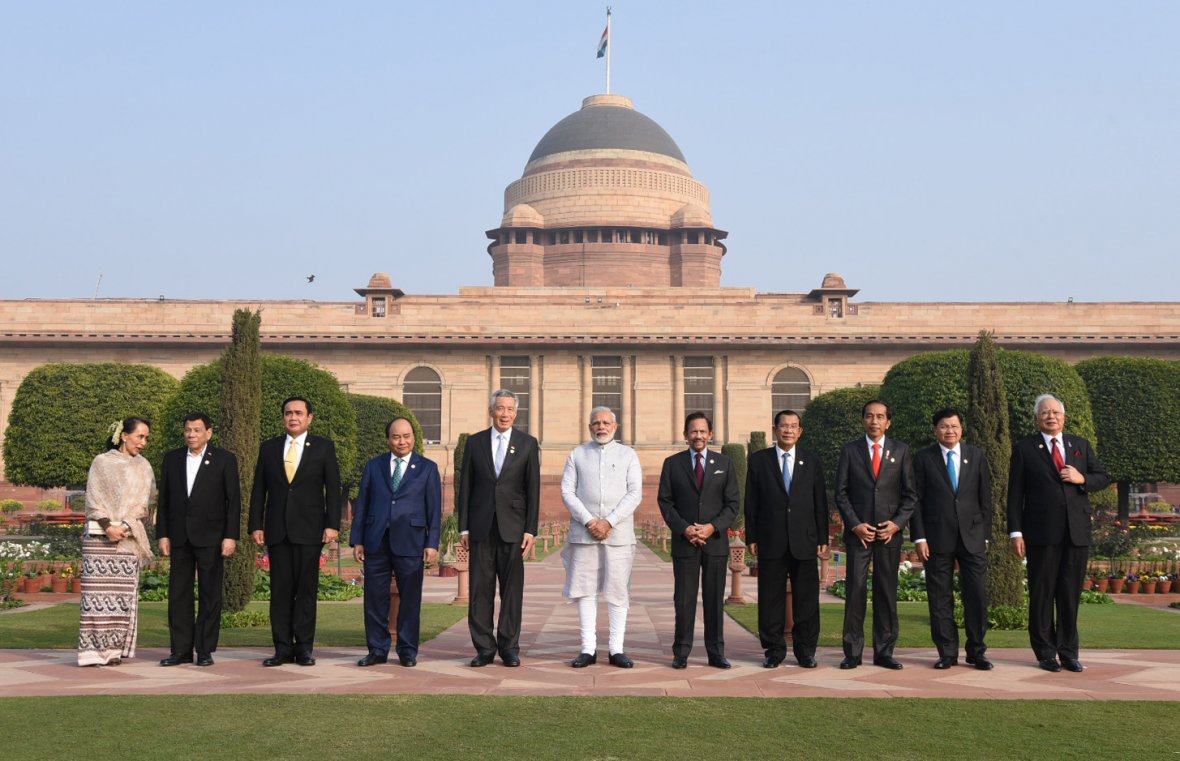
925	150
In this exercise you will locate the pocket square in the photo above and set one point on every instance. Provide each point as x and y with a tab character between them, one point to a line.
718	472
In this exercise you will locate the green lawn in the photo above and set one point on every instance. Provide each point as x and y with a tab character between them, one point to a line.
1101	626
569	728
658	550
338	624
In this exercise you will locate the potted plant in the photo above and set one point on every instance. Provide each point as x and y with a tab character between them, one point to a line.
1166	584
1132	584
1117	580
448	537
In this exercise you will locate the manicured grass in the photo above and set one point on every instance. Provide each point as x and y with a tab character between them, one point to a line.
658	550
338	624
569	728
1101	626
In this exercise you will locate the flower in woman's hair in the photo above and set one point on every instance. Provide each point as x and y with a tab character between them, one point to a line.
115	432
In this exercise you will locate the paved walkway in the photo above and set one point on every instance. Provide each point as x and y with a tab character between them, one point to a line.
550	640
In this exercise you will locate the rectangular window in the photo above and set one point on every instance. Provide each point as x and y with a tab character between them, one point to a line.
698	385
378	306
515	376
607	387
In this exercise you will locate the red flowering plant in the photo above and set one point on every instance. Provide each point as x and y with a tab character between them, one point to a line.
263	562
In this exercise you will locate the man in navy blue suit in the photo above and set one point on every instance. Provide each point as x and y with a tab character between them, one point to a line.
395	530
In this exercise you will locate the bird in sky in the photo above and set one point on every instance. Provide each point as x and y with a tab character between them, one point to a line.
311	278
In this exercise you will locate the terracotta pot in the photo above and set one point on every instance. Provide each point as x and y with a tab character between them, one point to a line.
32	584
447	570
59	585
1102	585
1087	584
1116	585
1164	587
1132	587
1147	587
76	585
754	570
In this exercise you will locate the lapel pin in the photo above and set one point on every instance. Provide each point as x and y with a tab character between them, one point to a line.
964	462
711	462
413	466
800	463
892	460
206	462
1040	446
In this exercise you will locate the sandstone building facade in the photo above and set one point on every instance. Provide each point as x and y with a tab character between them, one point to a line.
607	272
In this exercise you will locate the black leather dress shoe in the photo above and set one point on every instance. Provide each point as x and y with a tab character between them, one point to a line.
1050	664
176	660
307	659
482	660
808	661
204	659
679	663
772	661
849	662
510	659
980	662
1072	664
621	660
278	660
886	662
946	663
409	661
584	659
372	659
719	662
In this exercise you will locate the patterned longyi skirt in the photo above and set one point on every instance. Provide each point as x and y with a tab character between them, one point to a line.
110	603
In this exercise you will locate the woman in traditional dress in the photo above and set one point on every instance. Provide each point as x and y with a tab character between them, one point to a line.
120	486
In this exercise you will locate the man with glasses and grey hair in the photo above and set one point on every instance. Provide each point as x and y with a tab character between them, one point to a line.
499	505
601	487
1051	477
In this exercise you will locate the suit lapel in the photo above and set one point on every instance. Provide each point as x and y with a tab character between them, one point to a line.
940	461
485	453
408	474
201	468
863	447
688	459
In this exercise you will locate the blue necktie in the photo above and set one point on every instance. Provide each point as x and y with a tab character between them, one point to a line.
499	461
787	472
397	473
950	471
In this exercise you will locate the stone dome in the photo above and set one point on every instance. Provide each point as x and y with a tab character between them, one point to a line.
605	122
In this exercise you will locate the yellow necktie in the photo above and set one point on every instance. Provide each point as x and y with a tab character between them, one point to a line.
289	461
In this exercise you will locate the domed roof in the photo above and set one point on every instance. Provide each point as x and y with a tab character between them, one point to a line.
607	121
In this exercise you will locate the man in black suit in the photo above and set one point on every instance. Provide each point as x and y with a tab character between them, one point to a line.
952	522
197	519
698	497
499	506
875	494
295	509
1051	477
787	530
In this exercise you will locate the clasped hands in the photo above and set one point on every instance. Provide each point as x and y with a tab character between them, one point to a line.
599	528
883	532
698	533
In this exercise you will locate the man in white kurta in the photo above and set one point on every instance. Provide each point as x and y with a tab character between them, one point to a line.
601	487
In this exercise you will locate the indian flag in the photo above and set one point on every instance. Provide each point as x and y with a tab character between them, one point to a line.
603	42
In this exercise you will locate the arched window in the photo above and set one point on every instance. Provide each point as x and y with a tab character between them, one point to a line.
791	390
423	395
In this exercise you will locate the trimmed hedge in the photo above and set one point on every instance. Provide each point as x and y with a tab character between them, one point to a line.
1136	404
282	376
60	415
918	386
832	420
737	453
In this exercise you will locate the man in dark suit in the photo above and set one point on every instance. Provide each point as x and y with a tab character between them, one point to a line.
698	497
295	509
499	506
875	494
197	524
395	527
787	530
1051	477
952	522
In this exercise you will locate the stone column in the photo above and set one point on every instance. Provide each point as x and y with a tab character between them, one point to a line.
627	401
587	395
677	398
535	396
719	416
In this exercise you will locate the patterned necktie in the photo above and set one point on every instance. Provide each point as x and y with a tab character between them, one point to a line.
499	453
700	471
950	470
289	460
787	472
397	473
1058	460
876	460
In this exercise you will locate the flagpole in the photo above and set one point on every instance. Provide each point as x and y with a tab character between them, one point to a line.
608	50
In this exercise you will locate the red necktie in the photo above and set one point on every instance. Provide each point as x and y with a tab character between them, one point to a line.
1058	461
700	471
876	460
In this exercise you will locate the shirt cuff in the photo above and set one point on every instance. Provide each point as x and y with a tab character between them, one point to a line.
1015	535
919	541
464	533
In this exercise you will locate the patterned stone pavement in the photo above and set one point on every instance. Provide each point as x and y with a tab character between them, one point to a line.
549	640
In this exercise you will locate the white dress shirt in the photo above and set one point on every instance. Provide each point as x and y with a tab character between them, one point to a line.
191	464
301	439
